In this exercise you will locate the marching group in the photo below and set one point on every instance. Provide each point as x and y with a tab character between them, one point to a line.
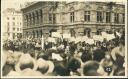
86	56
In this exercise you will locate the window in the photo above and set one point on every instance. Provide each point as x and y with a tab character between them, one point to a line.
72	16
99	16
50	17
41	16
26	20
116	18
123	16
13	23
20	23
54	18
30	19
87	16
37	16
7	18
13	29
33	17
8	24
13	18
17	29
108	17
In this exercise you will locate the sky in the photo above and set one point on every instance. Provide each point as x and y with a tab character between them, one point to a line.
16	3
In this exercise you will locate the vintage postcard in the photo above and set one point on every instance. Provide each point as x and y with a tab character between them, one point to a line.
64	38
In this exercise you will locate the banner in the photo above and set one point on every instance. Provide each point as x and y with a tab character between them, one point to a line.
98	38
104	34
110	36
66	35
90	41
50	39
57	57
118	34
56	34
84	38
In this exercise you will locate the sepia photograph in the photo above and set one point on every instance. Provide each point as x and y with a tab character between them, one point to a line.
63	38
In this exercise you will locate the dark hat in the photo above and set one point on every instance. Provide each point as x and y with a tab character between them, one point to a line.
74	64
90	68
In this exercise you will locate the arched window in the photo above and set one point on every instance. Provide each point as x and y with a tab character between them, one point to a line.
37	16
86	15
71	9
72	14
30	19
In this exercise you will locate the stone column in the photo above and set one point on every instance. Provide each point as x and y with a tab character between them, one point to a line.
31	19
35	17
112	17
39	17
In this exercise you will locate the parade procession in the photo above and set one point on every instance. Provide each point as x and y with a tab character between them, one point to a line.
93	44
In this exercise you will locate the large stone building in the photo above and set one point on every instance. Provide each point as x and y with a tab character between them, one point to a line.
12	24
77	18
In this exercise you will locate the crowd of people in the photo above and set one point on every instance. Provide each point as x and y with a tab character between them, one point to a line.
89	56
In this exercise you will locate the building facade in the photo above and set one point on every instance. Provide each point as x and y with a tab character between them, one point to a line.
77	18
12	24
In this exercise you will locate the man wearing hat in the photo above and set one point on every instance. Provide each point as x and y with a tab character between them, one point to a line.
25	61
90	68
44	66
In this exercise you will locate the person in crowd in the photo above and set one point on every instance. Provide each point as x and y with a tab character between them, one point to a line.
90	68
72	48
98	54
12	46
61	69
14	73
103	45
106	66
11	60
86	55
25	61
118	54
24	46
30	72
45	66
73	65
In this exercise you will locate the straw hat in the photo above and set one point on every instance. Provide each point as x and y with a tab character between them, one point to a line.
12	58
14	73
45	65
25	59
30	72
